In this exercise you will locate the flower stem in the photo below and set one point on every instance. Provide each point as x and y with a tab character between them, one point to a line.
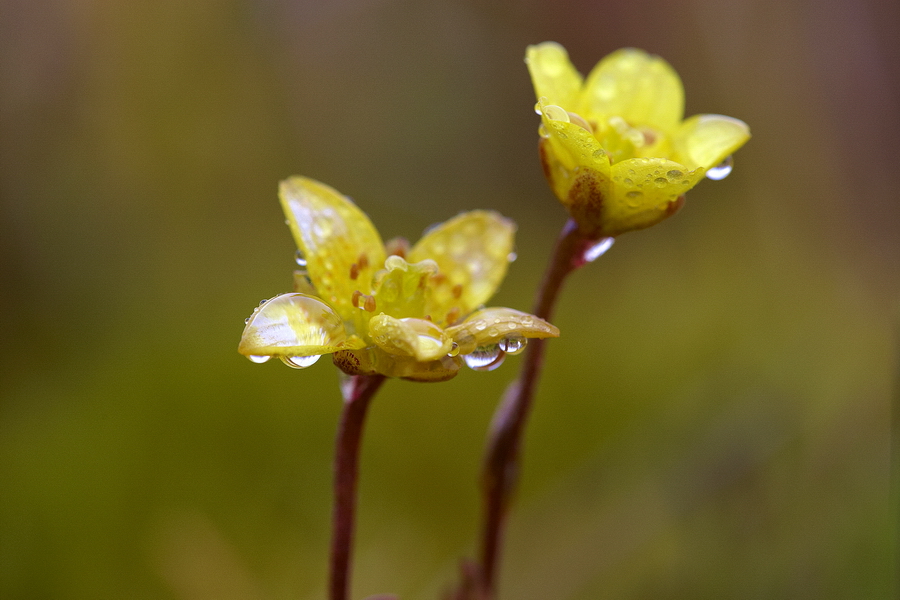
358	391
501	464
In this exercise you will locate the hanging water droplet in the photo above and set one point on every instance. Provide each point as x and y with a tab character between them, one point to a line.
721	170
263	301
300	362
513	344
247	320
485	358
299	258
454	350
258	358
511	257
598	249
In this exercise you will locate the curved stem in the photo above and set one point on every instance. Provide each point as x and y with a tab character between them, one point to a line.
358	391
501	465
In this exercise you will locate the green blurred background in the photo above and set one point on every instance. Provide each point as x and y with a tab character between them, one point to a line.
715	421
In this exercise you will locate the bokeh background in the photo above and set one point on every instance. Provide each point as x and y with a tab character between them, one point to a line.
715	421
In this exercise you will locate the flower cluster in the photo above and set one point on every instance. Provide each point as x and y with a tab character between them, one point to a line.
614	147
399	311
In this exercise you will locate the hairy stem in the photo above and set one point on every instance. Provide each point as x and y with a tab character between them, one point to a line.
501	464
358	391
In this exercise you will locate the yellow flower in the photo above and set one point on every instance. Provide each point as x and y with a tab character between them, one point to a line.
404	312
614	146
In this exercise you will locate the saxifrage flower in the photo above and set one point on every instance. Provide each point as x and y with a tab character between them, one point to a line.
414	313
614	147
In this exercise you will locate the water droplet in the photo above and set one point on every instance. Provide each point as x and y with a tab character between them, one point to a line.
512	256
599	154
633	194
542	131
598	249
263	301
527	321
247	320
258	358
299	258
721	170
485	358
629	181
674	174
513	344
480	326
454	350
537	108
556	113
661	182
300	362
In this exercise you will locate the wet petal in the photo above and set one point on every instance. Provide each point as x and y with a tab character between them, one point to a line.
418	338
400	288
490	326
333	235
641	88
552	73
372	361
294	325
472	252
644	192
706	140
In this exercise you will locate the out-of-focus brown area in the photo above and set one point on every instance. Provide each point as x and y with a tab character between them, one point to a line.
714	422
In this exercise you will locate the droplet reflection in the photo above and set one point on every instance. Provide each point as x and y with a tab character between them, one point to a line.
485	358
721	170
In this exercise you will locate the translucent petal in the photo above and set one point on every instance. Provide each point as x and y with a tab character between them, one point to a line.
568	149
552	73
640	88
472	252
374	360
334	235
491	326
421	339
705	140
400	288
644	192
294	325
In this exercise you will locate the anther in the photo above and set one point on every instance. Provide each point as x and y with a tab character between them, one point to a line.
354	299
370	303
453	315
457	290
354	271
362	261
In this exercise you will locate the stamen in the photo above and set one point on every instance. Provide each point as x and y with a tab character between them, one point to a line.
370	304
354	299
362	261
354	271
453	315
457	290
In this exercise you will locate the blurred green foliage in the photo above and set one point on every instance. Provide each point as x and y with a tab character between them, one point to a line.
714	421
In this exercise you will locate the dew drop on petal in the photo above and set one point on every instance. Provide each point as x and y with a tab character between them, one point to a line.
513	344
721	170
300	362
259	358
454	350
599	248
299	258
485	358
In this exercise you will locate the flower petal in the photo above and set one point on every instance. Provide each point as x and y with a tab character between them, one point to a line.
641	88
491	326
644	192
295	325
706	140
341	246
421	339
400	287
552	73
472	251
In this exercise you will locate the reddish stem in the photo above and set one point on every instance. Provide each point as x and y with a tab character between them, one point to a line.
358	391
502	458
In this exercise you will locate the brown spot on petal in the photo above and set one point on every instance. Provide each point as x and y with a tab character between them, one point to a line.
585	201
